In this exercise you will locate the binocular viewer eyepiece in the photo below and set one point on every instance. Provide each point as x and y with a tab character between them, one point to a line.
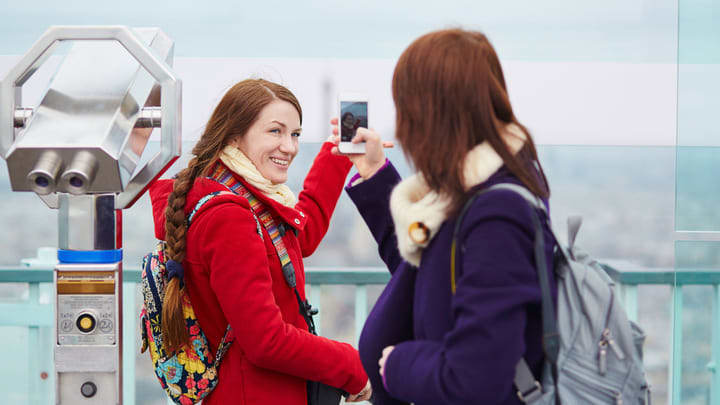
50	174
42	179
88	132
79	176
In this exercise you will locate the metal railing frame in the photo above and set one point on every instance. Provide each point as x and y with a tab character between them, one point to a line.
38	317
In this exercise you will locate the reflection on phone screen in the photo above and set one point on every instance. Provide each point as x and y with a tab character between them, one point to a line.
353	115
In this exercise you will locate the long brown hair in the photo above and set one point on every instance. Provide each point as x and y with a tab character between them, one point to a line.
450	95
236	112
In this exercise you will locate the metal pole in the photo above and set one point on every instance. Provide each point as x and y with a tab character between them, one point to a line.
675	367
88	297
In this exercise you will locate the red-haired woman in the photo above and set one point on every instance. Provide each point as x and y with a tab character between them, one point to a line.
232	270
424	343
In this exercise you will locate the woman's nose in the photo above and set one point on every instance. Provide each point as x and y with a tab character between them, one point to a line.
289	145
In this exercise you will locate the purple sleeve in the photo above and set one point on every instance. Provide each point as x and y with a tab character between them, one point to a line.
353	179
372	199
489	308
390	322
357	176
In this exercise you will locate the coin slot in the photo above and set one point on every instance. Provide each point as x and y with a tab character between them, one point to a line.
86	323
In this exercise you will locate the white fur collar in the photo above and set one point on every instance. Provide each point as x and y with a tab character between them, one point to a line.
418	212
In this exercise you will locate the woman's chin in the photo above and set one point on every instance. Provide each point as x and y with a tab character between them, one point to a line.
278	179
275	173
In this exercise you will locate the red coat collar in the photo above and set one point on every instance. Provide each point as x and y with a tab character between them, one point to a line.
161	189
295	218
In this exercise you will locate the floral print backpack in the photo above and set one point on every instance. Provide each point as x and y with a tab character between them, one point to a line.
189	374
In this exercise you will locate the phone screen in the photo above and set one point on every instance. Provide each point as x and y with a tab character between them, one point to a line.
353	115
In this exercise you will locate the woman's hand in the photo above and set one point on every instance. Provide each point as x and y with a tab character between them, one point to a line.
373	159
363	395
385	354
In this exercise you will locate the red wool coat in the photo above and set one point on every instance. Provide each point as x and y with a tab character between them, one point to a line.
233	276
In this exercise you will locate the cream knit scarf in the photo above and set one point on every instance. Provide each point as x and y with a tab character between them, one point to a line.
236	160
415	206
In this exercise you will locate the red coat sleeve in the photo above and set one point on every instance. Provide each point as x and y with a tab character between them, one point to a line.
240	278
321	190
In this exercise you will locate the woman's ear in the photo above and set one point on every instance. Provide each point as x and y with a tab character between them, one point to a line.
235	142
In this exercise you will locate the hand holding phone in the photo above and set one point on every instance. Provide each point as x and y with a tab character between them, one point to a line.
353	114
373	159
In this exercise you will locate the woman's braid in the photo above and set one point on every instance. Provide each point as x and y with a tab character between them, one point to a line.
174	331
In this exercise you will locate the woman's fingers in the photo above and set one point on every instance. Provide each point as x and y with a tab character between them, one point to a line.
334	124
363	395
365	135
362	135
366	393
385	354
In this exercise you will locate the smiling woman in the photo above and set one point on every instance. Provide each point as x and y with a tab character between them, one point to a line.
244	276
271	143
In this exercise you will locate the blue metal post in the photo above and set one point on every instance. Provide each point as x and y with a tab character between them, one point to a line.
715	376
34	349
316	291
675	367
628	296
360	309
47	363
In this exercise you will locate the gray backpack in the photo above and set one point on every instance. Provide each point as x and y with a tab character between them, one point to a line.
593	353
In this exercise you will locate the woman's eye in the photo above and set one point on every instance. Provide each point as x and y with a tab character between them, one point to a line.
275	130
296	134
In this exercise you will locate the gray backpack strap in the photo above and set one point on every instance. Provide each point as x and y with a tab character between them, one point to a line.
524	192
529	389
574	223
526	384
551	339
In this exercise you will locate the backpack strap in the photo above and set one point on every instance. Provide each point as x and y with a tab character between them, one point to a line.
200	203
529	389
551	339
525	193
223	176
574	223
228	336
207	198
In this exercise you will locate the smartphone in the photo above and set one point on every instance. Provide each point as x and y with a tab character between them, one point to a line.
353	114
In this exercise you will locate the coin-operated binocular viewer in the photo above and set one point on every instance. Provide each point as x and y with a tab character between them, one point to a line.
79	150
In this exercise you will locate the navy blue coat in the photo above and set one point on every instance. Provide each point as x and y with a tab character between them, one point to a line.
462	348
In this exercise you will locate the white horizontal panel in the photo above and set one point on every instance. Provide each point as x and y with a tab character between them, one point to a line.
576	103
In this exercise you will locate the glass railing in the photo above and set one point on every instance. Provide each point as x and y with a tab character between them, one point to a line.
26	326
